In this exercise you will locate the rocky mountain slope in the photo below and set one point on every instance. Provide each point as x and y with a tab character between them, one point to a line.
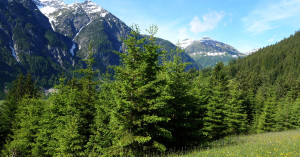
207	52
50	37
87	23
29	44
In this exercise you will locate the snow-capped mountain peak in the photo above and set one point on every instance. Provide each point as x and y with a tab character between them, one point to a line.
91	7
185	43
205	38
49	6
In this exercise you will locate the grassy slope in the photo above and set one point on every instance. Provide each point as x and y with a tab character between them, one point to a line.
267	144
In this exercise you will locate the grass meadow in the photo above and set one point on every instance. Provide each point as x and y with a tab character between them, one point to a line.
274	144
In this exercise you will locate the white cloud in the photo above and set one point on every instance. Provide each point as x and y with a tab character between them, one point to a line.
270	16
209	22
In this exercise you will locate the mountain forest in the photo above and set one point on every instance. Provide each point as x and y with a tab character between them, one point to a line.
153	104
92	86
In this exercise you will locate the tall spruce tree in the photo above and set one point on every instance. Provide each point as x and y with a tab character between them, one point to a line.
267	119
139	107
236	117
25	128
21	87
102	133
184	111
214	120
66	126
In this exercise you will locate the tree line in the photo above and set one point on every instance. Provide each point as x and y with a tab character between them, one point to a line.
152	104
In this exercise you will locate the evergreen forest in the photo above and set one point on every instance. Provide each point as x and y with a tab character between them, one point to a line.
152	103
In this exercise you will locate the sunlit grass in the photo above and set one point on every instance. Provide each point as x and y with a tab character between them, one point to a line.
277	144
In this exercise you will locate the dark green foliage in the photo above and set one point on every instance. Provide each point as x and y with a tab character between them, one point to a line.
139	108
102	134
72	110
184	111
152	105
214	126
269	80
236	117
22	87
25	128
54	40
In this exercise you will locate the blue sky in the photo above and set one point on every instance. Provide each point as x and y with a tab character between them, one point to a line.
243	24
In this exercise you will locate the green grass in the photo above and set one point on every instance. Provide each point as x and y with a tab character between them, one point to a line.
1	102
275	144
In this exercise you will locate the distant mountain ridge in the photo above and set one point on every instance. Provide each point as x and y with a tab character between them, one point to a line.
49	37
87	23
207	51
28	44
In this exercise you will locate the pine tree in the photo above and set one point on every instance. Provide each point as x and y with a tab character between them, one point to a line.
295	114
25	128
21	87
236	118
102	135
214	126
185	113
267	121
139	109
69	116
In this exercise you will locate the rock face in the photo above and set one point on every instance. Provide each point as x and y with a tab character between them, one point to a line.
49	37
28	44
87	23
207	52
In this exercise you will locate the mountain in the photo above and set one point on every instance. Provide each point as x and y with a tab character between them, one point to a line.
50	37
87	23
29	44
207	52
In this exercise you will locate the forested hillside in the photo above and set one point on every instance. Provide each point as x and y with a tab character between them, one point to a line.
270	81
279	62
153	105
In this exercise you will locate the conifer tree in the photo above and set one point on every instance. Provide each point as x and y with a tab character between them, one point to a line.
185	113
21	87
102	134
139	108
236	118
214	126
70	115
295	113
25	128
267	121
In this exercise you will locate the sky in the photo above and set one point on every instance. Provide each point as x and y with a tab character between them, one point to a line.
243	24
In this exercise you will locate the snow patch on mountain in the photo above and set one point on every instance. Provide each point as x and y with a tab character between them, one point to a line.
72	49
81	29
186	42
50	6
209	54
90	7
215	53
13	52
